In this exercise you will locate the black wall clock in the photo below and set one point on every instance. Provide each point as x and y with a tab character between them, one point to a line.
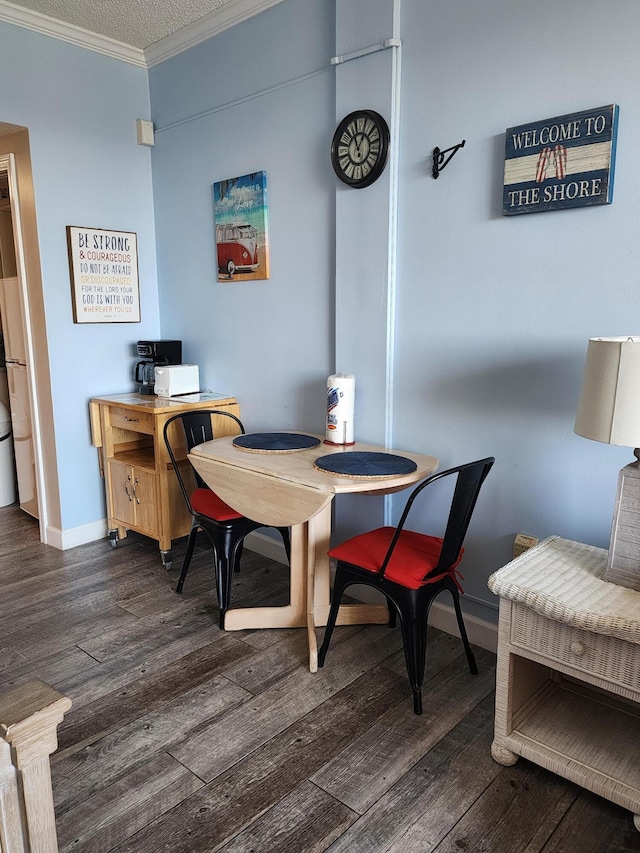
360	147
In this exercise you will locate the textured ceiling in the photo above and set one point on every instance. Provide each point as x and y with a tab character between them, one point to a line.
138	23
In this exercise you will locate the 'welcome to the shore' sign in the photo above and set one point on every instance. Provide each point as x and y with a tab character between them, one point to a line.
561	162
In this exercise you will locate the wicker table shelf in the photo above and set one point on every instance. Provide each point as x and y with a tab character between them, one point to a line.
568	673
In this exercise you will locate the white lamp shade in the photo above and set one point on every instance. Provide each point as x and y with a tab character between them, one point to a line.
609	407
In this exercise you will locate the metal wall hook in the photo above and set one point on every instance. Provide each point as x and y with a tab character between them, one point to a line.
439	161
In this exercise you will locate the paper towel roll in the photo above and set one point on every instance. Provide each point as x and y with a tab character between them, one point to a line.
341	398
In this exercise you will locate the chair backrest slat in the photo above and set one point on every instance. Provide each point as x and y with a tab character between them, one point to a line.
197	427
469	480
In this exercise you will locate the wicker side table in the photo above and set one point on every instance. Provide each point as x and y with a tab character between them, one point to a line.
568	670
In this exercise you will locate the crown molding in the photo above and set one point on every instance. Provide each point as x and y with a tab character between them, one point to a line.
39	23
232	13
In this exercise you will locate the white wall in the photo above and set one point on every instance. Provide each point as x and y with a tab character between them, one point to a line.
493	313
80	109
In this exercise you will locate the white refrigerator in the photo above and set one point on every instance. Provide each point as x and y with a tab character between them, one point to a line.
19	399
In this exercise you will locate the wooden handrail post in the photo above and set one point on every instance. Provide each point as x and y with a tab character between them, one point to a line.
29	719
11	838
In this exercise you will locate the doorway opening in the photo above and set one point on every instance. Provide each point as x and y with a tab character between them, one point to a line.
24	333
18	460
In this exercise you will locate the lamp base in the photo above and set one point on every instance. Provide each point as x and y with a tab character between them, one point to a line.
623	563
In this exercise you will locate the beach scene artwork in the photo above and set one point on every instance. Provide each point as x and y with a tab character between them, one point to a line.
241	228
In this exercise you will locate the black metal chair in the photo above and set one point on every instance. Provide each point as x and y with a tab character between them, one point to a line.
411	569
225	527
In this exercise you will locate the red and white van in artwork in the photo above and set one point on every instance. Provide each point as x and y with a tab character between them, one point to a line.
237	245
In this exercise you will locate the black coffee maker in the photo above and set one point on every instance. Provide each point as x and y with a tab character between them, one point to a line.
156	354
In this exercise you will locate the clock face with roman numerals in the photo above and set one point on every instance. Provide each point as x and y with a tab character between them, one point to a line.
359	148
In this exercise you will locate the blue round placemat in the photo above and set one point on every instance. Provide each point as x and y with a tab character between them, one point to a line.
275	442
359	463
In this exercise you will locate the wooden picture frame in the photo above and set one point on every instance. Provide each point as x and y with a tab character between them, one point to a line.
103	266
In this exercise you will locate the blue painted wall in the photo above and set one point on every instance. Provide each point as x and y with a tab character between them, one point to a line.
260	100
80	109
493	313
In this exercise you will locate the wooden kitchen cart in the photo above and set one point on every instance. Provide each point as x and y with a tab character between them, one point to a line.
141	487
568	672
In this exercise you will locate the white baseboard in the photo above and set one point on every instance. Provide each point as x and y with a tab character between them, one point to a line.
481	632
266	546
74	536
442	616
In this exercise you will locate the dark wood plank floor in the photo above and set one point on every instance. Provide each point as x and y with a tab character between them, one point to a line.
186	739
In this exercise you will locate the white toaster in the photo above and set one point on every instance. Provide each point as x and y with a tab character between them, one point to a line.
174	379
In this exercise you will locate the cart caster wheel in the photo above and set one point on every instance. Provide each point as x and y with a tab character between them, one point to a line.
167	560
636	821
113	538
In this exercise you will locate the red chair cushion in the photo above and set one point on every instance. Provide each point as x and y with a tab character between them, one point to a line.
206	502
415	554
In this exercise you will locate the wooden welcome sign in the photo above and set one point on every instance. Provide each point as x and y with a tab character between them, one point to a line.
561	162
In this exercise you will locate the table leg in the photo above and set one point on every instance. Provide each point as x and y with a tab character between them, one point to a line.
309	590
319	544
349	614
313	558
292	615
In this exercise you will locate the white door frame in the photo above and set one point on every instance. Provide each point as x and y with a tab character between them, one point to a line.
7	163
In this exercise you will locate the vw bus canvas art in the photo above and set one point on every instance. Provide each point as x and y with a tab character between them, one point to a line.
240	211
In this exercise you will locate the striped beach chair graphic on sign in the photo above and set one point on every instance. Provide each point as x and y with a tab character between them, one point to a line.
560	160
559	156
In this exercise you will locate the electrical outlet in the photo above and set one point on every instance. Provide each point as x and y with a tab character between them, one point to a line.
522	543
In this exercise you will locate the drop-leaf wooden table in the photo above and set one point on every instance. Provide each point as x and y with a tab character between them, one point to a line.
287	490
